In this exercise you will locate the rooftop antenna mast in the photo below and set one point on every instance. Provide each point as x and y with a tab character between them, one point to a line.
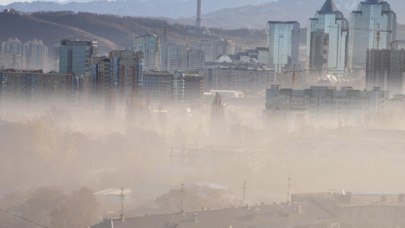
122	204
181	198
244	191
288	191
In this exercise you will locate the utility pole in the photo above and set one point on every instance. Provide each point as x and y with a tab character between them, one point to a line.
244	191
288	191
181	198
122	204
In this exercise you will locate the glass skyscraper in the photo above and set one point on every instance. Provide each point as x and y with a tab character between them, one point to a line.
327	41
149	44
283	44
74	56
371	16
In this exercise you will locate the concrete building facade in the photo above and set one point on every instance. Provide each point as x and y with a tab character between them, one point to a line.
372	26
149	44
385	69
283	44
35	55
214	48
327	41
74	56
323	103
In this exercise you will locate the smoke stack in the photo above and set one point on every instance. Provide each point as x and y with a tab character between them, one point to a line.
199	19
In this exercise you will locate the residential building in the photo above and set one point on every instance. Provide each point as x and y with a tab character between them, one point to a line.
149	44
277	215
283	44
16	47
173	57
323	103
195	59
214	48
181	58
27	87
158	87
327	41
175	88
35	55
10	60
385	69
239	78
74	56
12	45
358	209
372	26
120	72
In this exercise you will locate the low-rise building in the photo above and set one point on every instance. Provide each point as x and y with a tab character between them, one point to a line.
323	103
238	78
359	209
21	86
271	216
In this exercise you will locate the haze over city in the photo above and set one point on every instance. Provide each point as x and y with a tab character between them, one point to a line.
202	114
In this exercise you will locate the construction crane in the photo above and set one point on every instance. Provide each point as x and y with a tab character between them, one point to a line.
294	72
378	31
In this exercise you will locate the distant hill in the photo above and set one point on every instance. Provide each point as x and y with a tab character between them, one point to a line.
216	13
138	8
112	32
256	16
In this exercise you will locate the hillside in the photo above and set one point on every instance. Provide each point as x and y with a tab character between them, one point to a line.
112	32
138	8
253	16
216	13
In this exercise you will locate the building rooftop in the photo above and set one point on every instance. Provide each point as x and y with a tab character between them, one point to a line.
328	7
242	217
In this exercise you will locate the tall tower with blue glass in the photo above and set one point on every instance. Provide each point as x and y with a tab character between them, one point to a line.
327	41
74	56
283	44
372	26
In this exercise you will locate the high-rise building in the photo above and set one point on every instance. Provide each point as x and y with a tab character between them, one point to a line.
283	44
10	60
173	57
74	56
120	72
214	48
12	45
385	69
35	55
16	47
372	26
327	41
149	44
21	86
195	59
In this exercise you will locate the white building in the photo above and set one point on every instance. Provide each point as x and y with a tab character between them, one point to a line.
238	78
149	44
283	44
327	40
323	103
370	17
214	48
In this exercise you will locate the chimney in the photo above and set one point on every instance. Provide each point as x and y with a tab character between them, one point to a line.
401	198
196	218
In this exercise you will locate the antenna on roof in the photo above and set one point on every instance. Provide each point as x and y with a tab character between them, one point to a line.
122	204
288	191
181	198
244	191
